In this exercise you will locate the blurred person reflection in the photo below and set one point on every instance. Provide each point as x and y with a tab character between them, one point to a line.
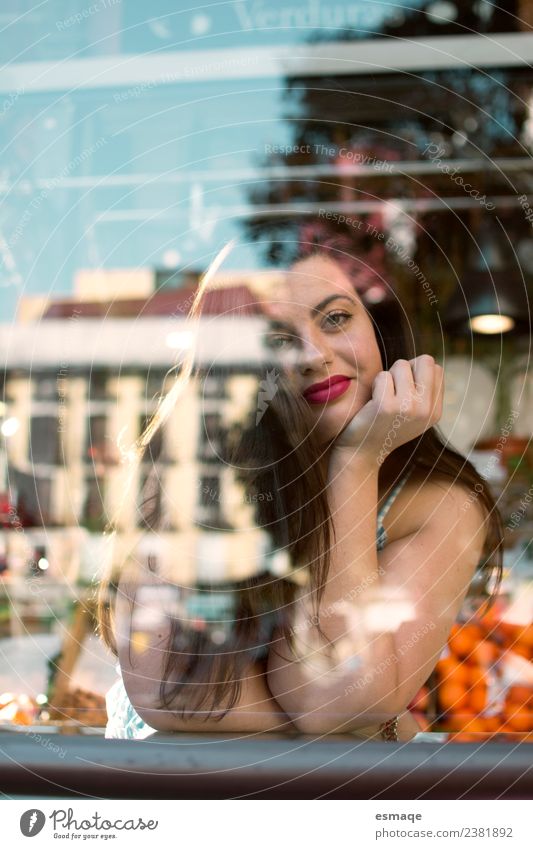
377	553
192	631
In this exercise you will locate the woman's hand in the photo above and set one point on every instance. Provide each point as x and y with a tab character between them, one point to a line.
406	401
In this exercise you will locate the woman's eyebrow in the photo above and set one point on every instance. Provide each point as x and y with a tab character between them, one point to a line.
278	324
319	307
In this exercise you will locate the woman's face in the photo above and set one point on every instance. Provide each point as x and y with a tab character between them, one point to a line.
321	333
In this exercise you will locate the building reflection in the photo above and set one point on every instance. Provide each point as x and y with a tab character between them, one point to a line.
83	382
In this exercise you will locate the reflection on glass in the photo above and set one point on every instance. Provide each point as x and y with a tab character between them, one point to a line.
118	187
288	600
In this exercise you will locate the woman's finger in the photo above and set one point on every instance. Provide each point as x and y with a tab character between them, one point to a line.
404	384
424	377
382	388
438	395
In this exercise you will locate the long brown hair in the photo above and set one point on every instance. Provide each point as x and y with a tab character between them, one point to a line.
276	460
398	339
429	452
279	455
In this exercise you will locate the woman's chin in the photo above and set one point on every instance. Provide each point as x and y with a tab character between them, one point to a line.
333	421
326	436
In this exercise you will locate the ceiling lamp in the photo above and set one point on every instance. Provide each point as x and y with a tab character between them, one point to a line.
492	323
489	303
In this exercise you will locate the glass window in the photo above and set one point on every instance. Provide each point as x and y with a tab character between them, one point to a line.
45	388
44	444
97	385
96	442
212	438
93	513
138	142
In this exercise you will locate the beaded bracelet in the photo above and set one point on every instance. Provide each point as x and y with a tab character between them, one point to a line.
389	730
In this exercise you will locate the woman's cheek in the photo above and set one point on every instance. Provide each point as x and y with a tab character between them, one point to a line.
362	393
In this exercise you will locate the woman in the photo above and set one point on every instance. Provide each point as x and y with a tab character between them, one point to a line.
349	446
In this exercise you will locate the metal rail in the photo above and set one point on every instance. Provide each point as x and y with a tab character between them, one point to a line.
188	766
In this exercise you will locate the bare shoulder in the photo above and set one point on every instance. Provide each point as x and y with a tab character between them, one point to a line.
437	500
437	535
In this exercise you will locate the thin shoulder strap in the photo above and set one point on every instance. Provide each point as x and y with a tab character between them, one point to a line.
399	486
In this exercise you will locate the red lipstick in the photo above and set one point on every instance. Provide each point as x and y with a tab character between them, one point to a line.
327	390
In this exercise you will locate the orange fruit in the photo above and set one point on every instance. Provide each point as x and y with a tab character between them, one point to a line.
452	723
509	632
22	718
526	637
476	675
450	669
519	718
519	694
492	723
460	644
462	718
477	697
484	654
476	724
463	640
521	649
452	696
489	618
475	631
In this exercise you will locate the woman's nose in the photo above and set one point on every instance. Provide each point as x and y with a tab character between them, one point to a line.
312	356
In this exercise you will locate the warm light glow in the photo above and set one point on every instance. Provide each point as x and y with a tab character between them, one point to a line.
374	295
10	426
492	323
179	339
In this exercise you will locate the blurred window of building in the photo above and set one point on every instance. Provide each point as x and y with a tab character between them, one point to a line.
214	386
97	385
93	512
45	443
96	440
211	438
209	513
45	387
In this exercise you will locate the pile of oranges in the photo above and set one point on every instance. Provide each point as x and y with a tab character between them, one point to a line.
17	709
473	693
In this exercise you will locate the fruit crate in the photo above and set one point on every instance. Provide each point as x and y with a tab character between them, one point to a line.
484	679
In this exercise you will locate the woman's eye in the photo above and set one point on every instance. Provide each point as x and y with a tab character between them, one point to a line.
278	341
336	319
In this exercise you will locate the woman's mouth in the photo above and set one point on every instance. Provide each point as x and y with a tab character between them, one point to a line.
328	390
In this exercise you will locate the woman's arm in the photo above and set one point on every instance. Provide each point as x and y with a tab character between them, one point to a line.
319	693
387	615
411	600
143	633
